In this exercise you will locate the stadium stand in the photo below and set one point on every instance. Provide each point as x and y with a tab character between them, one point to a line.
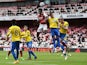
65	9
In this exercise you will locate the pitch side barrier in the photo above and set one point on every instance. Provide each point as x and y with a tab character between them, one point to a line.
46	49
34	16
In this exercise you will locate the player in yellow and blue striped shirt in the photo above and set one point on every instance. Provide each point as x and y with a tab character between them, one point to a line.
27	36
54	27
15	33
63	31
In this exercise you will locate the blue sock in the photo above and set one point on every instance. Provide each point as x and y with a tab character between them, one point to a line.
33	53
17	54
29	52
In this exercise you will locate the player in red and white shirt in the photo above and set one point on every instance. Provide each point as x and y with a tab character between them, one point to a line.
42	17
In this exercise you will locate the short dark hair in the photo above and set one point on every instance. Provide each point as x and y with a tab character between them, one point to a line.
51	13
14	22
40	10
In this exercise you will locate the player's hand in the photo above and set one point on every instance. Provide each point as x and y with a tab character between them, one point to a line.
6	38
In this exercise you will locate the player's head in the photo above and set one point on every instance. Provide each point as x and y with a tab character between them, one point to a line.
40	11
14	22
25	27
51	15
61	19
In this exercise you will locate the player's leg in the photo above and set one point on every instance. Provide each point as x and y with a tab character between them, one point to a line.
20	48
9	52
53	37
12	50
44	28
63	46
57	33
68	49
13	53
17	49
29	52
39	31
17	52
51	48
36	46
29	45
64	50
21	55
21	52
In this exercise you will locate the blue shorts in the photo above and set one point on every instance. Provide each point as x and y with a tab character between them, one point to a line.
15	45
62	36
55	31
29	44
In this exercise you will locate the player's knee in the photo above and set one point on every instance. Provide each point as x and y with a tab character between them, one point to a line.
64	47
29	49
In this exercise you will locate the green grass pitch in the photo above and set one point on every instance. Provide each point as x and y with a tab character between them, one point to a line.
45	58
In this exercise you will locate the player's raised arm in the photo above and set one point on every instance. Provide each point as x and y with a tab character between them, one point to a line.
28	40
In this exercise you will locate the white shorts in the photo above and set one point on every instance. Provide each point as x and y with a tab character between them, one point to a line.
42	27
20	47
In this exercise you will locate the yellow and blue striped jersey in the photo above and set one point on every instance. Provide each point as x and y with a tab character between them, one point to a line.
62	30
26	35
15	33
53	22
